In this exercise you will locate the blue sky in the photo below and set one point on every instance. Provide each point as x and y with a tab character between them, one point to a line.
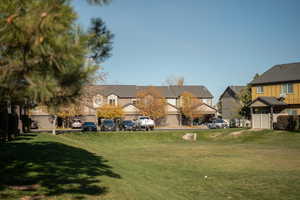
215	43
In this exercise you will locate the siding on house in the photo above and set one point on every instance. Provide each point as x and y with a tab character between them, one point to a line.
230	108
230	103
275	90
124	101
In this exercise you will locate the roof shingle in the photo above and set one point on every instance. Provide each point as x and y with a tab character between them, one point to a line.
166	91
279	73
271	101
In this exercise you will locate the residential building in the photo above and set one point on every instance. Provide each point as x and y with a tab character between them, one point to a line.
229	102
126	97
275	92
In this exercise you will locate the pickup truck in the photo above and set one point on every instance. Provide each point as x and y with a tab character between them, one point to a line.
145	123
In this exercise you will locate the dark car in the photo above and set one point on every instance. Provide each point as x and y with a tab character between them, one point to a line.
108	125
128	125
89	126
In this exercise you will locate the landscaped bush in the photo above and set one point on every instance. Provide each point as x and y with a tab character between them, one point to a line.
288	122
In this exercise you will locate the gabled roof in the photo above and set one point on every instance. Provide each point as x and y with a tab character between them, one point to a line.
119	90
172	106
279	73
237	88
234	89
270	101
166	91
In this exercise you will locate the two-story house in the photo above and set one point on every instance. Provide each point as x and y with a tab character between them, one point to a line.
125	96
230	103
275	92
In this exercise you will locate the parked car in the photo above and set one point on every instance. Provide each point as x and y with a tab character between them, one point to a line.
108	125
218	123
144	123
89	126
77	123
128	125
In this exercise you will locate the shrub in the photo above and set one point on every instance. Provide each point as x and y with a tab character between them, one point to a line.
288	122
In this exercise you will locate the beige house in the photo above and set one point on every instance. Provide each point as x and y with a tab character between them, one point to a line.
125	96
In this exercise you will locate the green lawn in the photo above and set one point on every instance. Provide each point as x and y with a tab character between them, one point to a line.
152	165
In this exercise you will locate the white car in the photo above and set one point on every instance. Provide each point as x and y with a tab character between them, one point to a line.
77	124
144	122
218	123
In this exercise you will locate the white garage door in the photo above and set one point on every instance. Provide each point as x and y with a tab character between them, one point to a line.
261	121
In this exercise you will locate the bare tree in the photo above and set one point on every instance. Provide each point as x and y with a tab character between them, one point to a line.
175	81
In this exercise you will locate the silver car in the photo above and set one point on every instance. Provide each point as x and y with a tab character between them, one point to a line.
218	123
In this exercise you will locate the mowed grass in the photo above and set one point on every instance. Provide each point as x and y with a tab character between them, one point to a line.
152	165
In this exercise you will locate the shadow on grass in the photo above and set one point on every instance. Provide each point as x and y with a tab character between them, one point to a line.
55	168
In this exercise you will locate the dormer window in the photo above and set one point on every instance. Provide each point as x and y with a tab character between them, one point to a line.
260	89
112	100
287	88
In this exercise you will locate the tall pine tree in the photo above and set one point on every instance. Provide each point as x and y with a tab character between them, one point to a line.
44	54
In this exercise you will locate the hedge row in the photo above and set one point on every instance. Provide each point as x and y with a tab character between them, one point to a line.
287	122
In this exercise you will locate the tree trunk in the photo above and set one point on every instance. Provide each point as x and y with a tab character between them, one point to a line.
54	125
20	122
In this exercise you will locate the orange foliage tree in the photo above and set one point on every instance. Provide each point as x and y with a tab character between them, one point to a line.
188	106
110	112
151	103
68	112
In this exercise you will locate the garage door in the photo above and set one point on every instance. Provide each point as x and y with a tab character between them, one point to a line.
261	121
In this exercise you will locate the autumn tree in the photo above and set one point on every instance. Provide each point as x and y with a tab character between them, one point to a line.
188	106
110	112
151	103
68	112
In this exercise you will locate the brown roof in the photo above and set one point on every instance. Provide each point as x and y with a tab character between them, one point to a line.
237	89
279	73
166	91
234	90
270	101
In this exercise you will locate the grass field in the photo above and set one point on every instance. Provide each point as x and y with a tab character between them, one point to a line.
152	165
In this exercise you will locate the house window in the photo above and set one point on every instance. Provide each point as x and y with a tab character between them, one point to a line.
260	89
112	100
287	88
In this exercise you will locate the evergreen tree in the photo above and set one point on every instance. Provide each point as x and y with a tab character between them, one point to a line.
246	99
44	54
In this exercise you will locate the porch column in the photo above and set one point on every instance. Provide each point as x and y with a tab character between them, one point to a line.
180	119
271	117
251	113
